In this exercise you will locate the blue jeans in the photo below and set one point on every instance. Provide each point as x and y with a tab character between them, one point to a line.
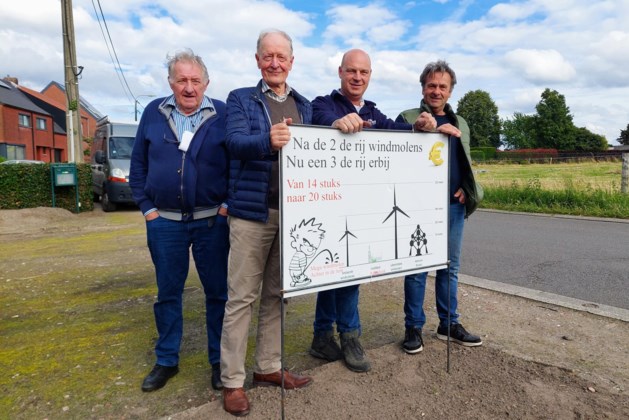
415	284
340	306
169	243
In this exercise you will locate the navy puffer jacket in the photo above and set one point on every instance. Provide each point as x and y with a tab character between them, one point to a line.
249	146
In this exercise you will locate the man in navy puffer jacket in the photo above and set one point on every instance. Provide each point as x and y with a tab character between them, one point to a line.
258	120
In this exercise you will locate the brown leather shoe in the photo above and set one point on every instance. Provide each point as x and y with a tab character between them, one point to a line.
291	380
235	401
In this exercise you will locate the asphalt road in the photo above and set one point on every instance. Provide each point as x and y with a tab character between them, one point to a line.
582	258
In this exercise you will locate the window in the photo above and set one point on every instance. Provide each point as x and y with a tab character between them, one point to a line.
24	120
41	123
12	151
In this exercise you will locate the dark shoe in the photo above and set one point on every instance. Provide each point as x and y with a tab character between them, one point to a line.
353	352
325	347
216	377
235	401
459	335
158	377
291	380
413	342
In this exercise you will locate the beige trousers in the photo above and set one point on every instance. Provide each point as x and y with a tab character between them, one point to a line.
254	269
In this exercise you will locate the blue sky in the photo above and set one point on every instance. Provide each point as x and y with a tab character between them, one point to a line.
513	49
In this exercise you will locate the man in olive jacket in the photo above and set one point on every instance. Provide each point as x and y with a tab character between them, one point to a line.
437	81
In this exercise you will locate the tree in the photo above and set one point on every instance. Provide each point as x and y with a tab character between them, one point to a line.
624	136
519	132
555	128
481	114
587	141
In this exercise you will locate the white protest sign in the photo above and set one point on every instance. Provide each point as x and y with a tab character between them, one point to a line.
361	207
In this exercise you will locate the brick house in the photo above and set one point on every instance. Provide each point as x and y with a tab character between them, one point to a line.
33	124
26	130
57	93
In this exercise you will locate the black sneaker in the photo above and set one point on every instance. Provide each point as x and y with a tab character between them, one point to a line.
325	347
413	342
353	353
459	335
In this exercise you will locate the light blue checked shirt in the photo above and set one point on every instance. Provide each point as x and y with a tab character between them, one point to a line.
187	122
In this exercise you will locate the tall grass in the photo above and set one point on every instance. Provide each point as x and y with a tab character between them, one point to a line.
584	189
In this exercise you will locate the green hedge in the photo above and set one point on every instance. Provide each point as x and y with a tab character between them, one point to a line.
488	153
477	156
29	185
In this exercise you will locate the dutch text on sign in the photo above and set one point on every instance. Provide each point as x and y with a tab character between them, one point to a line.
361	207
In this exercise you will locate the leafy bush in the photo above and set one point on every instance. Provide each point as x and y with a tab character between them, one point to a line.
477	155
27	186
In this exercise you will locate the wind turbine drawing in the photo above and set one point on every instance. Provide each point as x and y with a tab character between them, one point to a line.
393	213
346	235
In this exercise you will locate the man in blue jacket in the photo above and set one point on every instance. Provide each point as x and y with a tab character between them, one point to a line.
178	178
258	120
347	110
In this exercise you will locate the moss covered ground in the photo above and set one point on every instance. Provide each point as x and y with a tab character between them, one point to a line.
77	329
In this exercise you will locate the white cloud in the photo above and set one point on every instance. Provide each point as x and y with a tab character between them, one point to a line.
389	32
540	66
368	25
514	51
511	11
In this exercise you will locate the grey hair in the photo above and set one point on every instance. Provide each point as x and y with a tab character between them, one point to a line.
266	32
439	66
187	56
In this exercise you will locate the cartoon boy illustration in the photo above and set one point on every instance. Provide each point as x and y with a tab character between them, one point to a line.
307	238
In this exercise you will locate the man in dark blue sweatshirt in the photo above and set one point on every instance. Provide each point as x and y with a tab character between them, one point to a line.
178	178
347	110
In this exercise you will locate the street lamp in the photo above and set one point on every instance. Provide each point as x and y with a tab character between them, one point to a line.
137	102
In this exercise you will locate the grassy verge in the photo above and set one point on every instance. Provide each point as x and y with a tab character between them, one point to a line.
582	175
77	329
584	189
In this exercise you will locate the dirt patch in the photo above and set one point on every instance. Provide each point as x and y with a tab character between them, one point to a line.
16	224
482	383
538	360
28	221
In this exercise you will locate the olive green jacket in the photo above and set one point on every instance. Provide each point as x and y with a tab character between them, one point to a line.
473	190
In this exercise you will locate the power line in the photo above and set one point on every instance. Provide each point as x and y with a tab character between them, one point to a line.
117	67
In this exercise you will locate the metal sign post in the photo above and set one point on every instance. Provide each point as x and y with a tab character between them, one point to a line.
64	175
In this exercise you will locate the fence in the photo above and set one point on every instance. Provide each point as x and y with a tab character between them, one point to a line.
544	155
624	187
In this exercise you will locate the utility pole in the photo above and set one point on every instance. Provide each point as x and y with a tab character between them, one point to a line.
73	106
137	102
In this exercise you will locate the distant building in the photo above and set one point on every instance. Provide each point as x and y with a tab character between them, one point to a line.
26	130
57	93
33	124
